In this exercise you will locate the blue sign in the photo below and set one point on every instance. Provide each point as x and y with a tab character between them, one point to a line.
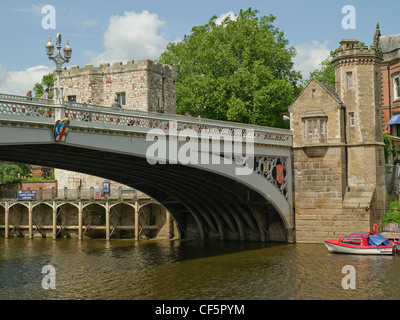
27	195
106	187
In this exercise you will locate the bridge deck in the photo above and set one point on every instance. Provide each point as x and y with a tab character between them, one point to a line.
41	111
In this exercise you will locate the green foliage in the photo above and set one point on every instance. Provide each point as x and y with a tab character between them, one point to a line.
47	83
326	73
13	172
390	146
240	70
393	214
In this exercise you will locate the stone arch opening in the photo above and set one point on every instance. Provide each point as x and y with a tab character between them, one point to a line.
153	221
42	220
67	220
94	220
18	218
2	220
122	221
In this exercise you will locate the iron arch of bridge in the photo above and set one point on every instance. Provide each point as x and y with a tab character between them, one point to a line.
221	207
206	201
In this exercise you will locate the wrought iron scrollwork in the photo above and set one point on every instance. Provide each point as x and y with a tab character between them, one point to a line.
274	170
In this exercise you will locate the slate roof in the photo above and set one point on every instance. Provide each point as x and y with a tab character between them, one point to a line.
389	43
331	90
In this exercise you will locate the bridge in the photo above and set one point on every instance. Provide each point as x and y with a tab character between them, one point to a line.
219	180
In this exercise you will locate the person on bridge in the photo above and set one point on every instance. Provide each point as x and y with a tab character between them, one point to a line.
116	104
161	110
46	94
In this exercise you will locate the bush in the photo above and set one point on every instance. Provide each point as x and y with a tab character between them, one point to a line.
393	214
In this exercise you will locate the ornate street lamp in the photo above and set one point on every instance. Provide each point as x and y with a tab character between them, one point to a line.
59	61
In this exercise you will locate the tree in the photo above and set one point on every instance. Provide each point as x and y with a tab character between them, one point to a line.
326	73
13	172
393	214
47	83
240	70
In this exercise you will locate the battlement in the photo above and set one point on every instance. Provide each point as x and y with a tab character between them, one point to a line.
351	48
118	67
144	85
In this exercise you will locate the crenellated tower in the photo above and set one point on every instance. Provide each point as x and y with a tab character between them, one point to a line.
358	85
144	85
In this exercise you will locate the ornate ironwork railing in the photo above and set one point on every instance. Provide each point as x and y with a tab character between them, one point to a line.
103	117
11	105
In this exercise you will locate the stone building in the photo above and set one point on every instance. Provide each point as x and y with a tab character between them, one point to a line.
144	86
339	149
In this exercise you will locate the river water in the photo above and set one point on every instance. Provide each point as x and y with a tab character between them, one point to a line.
189	270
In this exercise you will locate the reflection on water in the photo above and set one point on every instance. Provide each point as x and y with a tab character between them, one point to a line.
121	269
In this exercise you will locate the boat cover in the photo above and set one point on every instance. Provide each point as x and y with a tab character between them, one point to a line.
378	240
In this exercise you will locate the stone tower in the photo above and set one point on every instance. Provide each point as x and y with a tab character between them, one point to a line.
143	86
338	148
357	75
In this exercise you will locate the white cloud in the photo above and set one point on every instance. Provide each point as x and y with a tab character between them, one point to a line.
20	82
90	23
35	9
132	36
310	55
222	17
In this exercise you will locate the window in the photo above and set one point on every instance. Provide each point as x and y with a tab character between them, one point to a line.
315	127
349	80
71	98
121	98
313	93
396	87
351	119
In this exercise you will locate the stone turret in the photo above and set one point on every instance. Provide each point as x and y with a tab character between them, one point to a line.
357	77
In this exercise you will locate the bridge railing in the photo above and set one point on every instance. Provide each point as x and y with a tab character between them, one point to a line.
12	106
4	96
103	117
72	194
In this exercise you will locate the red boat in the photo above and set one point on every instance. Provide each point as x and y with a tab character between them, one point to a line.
362	243
397	243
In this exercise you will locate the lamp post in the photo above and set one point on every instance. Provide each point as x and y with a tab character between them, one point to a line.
59	61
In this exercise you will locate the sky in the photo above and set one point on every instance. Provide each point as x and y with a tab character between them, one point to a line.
121	30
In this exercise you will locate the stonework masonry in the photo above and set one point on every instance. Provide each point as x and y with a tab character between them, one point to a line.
338	148
146	85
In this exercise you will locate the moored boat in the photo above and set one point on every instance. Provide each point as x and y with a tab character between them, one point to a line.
362	243
397	243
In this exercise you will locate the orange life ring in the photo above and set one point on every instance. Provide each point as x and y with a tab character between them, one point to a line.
375	228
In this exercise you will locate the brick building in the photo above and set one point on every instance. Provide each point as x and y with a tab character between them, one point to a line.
390	79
